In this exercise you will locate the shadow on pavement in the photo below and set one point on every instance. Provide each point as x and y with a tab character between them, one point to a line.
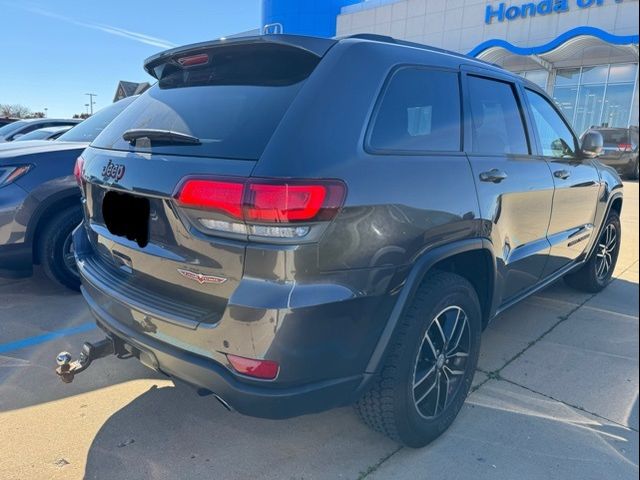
35	306
172	433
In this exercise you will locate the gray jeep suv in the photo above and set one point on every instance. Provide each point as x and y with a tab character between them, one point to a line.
294	224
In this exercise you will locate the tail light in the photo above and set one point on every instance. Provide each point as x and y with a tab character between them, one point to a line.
263	207
225	197
77	170
264	369
625	147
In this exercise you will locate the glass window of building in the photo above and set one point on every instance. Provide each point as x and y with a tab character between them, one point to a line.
589	107
594	75
568	77
539	77
596	96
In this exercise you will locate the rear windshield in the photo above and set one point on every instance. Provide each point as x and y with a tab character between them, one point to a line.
232	104
90	128
41	134
12	127
613	138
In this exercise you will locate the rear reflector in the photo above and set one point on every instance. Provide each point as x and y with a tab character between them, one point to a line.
77	170
265	369
265	201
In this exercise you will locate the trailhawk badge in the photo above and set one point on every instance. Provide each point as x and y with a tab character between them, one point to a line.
201	278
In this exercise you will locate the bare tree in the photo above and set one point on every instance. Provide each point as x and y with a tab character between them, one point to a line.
20	111
5	110
15	110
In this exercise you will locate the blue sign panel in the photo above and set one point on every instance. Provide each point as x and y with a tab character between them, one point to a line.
302	17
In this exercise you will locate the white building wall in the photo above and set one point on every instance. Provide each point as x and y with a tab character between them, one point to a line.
459	25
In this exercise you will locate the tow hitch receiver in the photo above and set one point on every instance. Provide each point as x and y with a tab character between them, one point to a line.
68	368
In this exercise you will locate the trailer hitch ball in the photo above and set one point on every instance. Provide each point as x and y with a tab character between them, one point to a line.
68	368
63	358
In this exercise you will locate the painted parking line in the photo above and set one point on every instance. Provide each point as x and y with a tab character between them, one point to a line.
38	339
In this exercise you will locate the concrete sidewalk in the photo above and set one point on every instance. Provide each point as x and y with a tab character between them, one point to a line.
556	396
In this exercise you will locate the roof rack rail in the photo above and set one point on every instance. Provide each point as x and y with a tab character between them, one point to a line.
373	36
387	39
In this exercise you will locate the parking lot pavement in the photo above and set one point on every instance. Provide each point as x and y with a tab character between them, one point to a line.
556	396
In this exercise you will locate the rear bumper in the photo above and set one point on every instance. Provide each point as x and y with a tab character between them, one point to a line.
254	400
322	349
624	167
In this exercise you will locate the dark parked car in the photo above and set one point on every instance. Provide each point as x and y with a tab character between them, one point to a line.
621	150
49	133
6	121
40	200
293	224
15	130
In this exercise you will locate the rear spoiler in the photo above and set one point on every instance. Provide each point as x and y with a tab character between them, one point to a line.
314	45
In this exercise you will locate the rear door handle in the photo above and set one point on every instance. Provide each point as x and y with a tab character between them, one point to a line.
563	174
493	176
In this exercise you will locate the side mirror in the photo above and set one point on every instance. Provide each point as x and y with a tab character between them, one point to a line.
591	144
17	136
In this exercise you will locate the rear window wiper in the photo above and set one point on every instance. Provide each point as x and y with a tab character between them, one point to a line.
160	136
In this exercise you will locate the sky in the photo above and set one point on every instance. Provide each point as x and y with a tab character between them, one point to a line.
53	52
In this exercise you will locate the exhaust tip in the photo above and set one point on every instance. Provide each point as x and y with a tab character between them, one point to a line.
204	392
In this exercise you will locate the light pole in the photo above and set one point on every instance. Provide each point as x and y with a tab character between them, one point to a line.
91	102
46	112
87	108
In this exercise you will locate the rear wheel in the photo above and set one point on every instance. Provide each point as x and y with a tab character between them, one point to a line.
55	248
635	174
430	365
597	272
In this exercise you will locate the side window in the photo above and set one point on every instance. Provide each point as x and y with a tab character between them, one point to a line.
420	111
32	127
554	134
496	118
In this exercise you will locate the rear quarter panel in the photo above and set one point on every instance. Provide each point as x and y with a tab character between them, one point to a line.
397	206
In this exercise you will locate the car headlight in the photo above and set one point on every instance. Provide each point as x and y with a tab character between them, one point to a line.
11	173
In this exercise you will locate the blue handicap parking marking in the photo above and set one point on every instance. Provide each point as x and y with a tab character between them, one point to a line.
45	337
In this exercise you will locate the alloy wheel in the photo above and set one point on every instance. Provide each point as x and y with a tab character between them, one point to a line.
68	256
441	362
606	250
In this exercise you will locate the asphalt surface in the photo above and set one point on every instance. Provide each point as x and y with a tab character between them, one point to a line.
556	396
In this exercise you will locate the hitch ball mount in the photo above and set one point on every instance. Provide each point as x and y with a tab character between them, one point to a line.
68	368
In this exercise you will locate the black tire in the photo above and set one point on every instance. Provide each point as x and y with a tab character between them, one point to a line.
390	404
54	244
590	278
635	173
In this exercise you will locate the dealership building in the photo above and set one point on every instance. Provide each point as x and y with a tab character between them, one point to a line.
583	52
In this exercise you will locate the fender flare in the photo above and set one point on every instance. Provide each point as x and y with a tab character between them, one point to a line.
418	271
614	196
67	195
